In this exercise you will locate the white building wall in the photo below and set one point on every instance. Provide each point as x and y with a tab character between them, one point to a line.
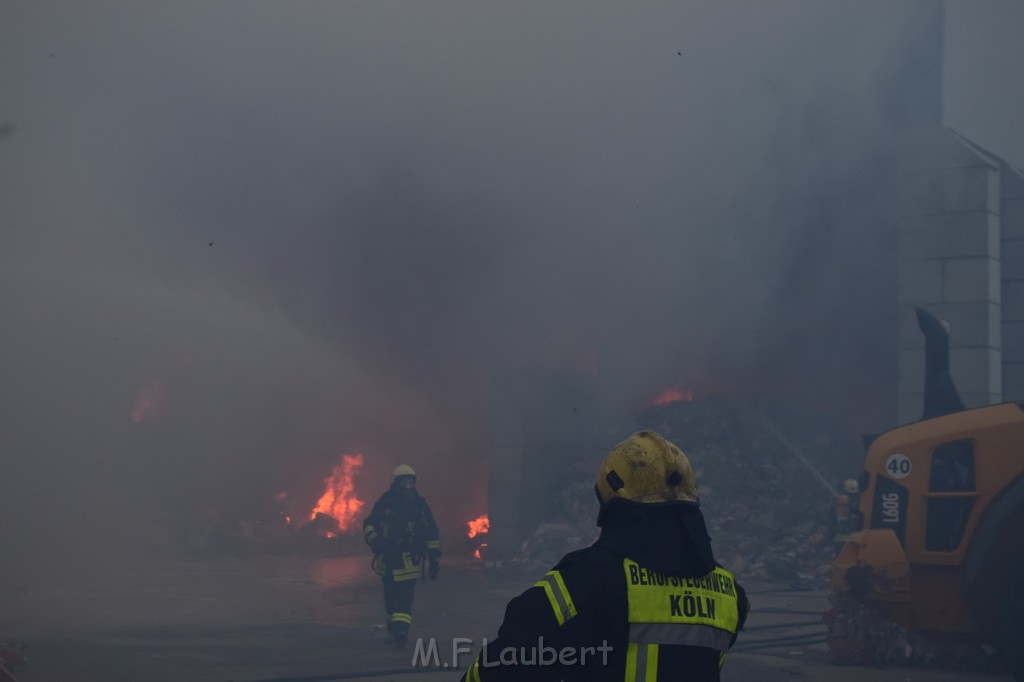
1011	218
950	258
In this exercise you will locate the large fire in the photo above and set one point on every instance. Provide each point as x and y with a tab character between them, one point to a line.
480	524
479	527
339	500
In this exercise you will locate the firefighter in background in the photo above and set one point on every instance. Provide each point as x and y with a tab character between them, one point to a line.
847	510
403	536
647	601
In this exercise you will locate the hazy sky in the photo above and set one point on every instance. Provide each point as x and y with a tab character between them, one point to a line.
314	228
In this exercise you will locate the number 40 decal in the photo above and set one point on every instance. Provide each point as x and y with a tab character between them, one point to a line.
898	466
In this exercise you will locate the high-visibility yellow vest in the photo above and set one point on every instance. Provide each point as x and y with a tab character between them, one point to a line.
671	610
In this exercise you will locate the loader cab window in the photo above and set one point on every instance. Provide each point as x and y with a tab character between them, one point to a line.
951	495
953	468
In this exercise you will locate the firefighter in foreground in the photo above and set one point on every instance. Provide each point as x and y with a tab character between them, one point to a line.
647	601
403	536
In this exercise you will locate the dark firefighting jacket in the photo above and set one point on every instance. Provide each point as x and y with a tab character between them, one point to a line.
646	602
402	532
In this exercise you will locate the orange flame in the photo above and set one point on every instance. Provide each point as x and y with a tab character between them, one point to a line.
339	500
480	524
673	394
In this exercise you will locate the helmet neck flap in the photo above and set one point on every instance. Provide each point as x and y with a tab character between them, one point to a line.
670	537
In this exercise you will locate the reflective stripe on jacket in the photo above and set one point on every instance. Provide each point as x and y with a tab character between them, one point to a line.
408	533
599	616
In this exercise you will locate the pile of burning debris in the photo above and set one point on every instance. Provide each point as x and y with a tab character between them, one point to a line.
330	528
767	478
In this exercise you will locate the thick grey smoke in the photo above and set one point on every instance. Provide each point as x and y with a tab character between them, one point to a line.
321	227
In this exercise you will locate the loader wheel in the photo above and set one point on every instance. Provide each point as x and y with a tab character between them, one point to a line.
1011	629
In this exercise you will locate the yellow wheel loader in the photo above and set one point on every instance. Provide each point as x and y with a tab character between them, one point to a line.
940	549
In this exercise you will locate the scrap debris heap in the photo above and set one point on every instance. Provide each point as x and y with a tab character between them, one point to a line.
768	475
767	478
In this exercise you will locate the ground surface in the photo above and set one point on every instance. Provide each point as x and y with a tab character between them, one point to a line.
301	618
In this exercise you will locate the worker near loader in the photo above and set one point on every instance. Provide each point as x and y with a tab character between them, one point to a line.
848	516
403	536
647	601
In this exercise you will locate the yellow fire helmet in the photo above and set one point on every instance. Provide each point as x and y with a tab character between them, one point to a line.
850	485
648	469
402	470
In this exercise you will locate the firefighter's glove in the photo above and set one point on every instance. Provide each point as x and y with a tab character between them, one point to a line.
433	568
378	545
